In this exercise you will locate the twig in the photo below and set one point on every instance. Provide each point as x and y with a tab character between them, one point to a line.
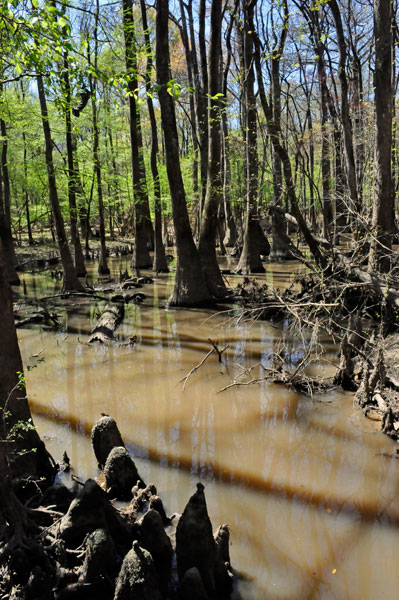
237	383
214	349
219	352
77	480
71	295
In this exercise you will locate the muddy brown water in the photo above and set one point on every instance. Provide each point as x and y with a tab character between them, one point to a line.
308	487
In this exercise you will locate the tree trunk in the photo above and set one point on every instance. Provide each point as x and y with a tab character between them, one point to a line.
346	120
141	257
103	268
190	286
71	281
282	151
160	264
279	249
26	453
5	211
109	320
203	116
231	235
73	215
26	192
250	260
83	211
214	195
193	115
383	218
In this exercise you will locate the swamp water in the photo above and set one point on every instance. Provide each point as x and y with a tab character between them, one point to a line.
308	487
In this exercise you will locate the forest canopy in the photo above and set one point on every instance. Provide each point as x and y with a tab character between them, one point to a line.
287	90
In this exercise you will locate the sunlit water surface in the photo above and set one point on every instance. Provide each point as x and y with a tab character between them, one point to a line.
308	487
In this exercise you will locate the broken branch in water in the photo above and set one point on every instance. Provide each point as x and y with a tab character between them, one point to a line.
211	351
301	383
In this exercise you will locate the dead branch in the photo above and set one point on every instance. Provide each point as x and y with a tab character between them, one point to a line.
194	369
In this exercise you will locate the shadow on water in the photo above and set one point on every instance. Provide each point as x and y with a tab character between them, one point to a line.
309	488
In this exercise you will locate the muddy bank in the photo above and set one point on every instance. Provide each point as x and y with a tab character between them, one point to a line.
45	254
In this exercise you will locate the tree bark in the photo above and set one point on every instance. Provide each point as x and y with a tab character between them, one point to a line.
190	287
109	320
71	281
203	117
250	260
5	210
73	215
231	234
26	192
282	151
383	217
345	114
214	191
141	257
160	264
18	434
103	268
279	249
190	60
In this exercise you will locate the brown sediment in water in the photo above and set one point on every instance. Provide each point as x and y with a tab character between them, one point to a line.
303	484
367	511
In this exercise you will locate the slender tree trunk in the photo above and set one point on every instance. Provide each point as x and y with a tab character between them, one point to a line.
141	257
160	264
328	109
394	119
190	286
26	191
103	268
280	249
5	210
73	214
231	235
193	115
83	211
200	106
71	281
383	218
250	260
282	151
358	122
346	120
325	158
214	191
203	116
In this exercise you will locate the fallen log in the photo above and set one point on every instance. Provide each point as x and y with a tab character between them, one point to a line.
109	320
40	317
376	284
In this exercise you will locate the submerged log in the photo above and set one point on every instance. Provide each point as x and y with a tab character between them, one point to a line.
109	320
